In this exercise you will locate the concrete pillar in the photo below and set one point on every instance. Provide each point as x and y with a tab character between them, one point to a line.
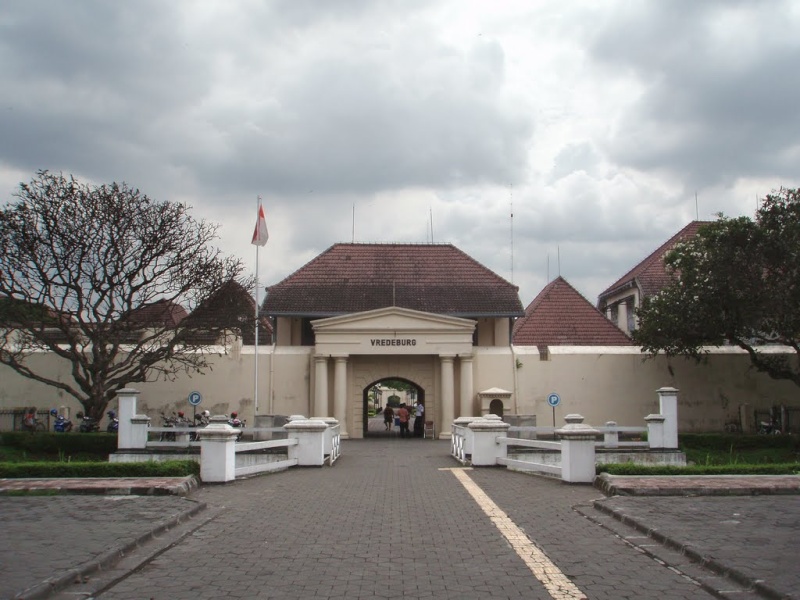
448	399
577	450
466	387
485	449
310	436
611	438
218	450
655	431
321	386
127	399
668	407
501	332
340	394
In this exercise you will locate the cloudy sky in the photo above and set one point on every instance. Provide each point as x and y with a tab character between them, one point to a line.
604	127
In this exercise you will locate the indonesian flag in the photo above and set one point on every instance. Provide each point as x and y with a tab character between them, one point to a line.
260	234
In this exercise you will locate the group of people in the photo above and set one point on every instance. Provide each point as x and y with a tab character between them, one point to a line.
403	416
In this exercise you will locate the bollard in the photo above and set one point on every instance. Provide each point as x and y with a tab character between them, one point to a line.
577	450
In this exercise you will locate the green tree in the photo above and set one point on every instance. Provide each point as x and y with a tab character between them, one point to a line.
737	282
102	277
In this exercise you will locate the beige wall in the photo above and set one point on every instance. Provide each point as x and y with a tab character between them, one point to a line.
600	383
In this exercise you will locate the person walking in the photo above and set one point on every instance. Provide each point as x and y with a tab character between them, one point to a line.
419	420
403	416
388	417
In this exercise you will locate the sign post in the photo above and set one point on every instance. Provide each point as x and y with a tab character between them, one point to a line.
195	398
553	400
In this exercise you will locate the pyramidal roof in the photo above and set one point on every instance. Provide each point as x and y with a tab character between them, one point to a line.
356	277
651	274
560	316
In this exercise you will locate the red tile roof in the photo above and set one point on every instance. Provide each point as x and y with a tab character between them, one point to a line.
650	274
435	278
560	316
161	313
230	307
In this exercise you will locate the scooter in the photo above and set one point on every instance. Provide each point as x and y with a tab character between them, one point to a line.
62	424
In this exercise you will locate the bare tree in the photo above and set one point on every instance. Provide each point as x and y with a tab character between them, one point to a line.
102	277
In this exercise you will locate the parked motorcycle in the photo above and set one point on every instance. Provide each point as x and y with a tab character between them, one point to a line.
200	420
113	422
235	421
765	428
61	424
88	424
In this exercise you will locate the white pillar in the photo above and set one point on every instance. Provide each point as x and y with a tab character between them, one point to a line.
466	387
448	400
611	435
655	431
668	407
321	386
577	450
340	394
622	316
126	410
485	449
217	450
310	436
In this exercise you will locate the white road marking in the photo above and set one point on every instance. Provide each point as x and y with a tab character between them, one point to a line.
551	577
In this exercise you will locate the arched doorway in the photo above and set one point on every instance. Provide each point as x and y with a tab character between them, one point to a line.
496	407
391	391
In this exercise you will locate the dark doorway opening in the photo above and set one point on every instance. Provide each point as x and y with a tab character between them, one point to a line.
389	391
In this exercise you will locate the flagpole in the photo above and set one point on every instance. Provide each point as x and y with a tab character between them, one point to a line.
255	356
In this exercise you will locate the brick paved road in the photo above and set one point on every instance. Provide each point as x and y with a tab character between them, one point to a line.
387	521
45	537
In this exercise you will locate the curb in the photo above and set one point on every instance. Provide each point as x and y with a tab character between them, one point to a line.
710	563
691	485
107	559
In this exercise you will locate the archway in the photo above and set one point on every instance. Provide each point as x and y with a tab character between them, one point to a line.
391	391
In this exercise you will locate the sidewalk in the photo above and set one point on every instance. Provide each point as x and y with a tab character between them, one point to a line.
391	519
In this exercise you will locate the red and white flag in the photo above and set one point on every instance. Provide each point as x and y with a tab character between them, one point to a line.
260	234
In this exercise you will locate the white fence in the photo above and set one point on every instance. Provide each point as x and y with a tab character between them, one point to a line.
304	442
485	441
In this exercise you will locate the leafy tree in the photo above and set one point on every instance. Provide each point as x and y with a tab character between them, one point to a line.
101	277
737	282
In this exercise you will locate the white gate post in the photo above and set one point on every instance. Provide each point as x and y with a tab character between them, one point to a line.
217	450
310	436
126	409
132	434
668	406
577	450
485	449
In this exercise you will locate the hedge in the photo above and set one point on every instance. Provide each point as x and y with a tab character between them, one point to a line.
726	442
101	444
174	468
760	469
